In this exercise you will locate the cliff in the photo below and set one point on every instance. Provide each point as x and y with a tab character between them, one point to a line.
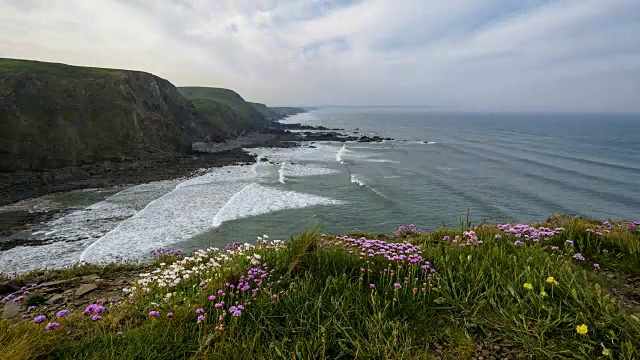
55	115
225	108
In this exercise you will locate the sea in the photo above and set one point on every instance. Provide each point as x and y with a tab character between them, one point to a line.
439	168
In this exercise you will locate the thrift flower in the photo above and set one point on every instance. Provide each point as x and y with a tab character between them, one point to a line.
199	311
597	266
578	256
200	319
154	313
31	308
62	313
397	286
51	326
39	319
169	314
582	329
372	286
528	286
96	317
212	297
498	236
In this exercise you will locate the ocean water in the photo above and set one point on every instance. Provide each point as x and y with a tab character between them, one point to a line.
499	167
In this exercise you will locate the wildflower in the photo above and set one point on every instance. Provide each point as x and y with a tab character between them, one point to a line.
154	313
597	266
236	313
96	317
51	326
199	311
218	305
582	329
498	236
552	280
62	313
543	293
372	286
31	308
578	256
528	286
605	351
203	285
569	242
397	286
446	238
169	314
200	319
212	297
25	316
39	319
99	301
555	248
518	243
599	233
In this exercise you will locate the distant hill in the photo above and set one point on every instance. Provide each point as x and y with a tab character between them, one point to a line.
287	111
265	111
218	103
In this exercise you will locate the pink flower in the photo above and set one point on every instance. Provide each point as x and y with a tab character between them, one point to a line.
597	266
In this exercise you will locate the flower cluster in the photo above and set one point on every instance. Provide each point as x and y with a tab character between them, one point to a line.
201	263
468	238
165	252
94	309
529	233
406	230
411	270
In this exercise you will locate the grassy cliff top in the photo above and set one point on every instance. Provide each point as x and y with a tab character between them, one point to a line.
206	97
506	292
15	66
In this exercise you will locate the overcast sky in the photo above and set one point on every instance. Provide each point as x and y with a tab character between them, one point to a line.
516	55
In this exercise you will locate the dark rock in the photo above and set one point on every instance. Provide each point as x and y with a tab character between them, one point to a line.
85	288
55	299
11	309
10	286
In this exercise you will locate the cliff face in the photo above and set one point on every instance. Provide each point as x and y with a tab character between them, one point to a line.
216	102
54	115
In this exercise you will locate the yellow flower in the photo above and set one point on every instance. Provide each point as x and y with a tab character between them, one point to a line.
552	280
543	293
528	286
606	352
582	329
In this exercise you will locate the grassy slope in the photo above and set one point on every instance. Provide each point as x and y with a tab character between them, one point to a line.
322	309
12	66
247	118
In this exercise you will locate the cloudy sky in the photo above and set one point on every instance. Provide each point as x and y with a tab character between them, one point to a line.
516	55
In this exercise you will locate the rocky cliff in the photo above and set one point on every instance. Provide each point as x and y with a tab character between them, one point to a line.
54	115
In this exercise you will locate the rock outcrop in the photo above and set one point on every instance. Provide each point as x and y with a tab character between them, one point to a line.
55	115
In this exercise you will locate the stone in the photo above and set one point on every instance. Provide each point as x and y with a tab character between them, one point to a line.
85	289
55	299
10	286
485	352
11	309
58	282
90	278
497	347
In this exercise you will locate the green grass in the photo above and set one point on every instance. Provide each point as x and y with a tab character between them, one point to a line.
323	310
14	66
243	110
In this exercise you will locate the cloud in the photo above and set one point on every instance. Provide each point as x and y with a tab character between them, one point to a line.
529	55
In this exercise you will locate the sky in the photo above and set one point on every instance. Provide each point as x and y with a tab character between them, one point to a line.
469	55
